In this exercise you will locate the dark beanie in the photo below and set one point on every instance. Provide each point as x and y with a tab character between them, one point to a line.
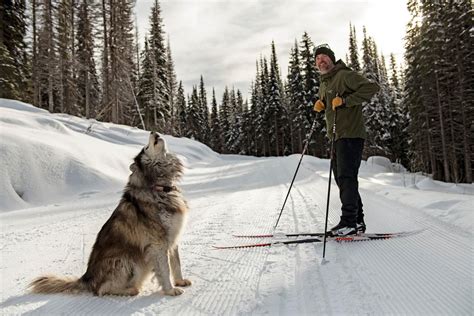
326	51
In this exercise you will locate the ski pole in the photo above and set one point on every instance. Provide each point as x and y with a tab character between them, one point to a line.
297	168
331	155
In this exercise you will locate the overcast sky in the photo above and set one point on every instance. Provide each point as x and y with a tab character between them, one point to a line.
222	39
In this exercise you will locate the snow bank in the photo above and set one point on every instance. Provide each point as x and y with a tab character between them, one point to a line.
49	158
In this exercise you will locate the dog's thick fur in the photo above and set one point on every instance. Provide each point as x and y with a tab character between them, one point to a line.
141	236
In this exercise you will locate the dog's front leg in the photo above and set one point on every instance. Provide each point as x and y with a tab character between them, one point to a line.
162	272
176	268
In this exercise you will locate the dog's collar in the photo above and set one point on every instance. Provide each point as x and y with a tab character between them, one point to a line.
163	188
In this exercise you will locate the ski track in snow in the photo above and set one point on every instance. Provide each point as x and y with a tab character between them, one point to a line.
428	273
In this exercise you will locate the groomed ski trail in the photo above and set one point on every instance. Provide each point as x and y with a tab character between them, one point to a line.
235	195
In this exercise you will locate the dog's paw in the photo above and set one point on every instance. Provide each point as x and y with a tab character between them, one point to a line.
183	282
175	291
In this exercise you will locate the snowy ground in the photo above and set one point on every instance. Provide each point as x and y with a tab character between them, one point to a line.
61	177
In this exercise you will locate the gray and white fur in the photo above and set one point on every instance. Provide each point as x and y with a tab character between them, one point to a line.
141	236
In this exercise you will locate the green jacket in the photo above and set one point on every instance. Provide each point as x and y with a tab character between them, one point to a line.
354	89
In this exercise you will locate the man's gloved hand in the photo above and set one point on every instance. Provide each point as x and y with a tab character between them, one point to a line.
337	101
319	106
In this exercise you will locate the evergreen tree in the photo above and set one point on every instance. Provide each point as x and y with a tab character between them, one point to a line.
297	103
264	109
311	88
438	48
87	79
377	111
225	120
171	88
216	132
148	90
254	132
14	68
46	64
66	83
353	51
277	118
194	118
203	113
120	49
235	116
181	111
159	52
399	144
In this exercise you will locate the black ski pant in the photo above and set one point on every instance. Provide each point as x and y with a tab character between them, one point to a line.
346	163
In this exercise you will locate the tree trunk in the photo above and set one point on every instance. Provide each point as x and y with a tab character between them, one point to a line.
51	55
465	124
105	66
447	176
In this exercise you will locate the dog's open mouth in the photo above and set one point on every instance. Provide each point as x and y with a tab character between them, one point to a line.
156	138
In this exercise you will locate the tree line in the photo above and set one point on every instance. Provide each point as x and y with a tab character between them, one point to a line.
439	88
82	57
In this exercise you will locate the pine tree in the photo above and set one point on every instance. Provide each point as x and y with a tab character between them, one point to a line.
171	88
277	118
297	104
203	113
195	118
225	120
157	47
264	109
353	52
438	41
120	58
254	132
235	129
87	79
14	66
216	132
377	111
311	88
181	111
67	88
147	89
46	65
399	143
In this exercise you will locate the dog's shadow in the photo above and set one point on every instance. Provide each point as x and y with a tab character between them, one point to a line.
85	304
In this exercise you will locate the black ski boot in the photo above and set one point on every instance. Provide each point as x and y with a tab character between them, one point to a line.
342	229
361	228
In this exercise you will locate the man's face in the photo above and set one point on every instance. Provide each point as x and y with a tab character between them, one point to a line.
324	63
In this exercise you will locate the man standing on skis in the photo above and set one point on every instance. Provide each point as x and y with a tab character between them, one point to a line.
344	91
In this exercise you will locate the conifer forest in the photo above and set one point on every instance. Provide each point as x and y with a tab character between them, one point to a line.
83	57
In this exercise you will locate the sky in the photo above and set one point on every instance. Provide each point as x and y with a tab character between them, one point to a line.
222	39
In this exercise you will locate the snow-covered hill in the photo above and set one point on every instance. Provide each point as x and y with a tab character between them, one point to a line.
61	177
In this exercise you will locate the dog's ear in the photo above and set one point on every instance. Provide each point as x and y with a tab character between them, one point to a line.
133	167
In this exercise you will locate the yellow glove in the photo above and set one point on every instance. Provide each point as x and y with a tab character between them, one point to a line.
337	101
319	106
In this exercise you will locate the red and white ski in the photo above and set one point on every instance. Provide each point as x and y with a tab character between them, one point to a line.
316	237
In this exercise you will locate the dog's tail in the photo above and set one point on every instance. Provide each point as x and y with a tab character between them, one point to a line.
50	284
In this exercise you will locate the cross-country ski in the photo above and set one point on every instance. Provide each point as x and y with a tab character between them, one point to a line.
292	239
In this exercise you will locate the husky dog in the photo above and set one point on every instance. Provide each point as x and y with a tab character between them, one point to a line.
140	238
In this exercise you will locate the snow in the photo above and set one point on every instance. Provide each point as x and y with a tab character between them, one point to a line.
62	176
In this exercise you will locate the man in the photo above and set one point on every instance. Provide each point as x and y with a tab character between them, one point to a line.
345	90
